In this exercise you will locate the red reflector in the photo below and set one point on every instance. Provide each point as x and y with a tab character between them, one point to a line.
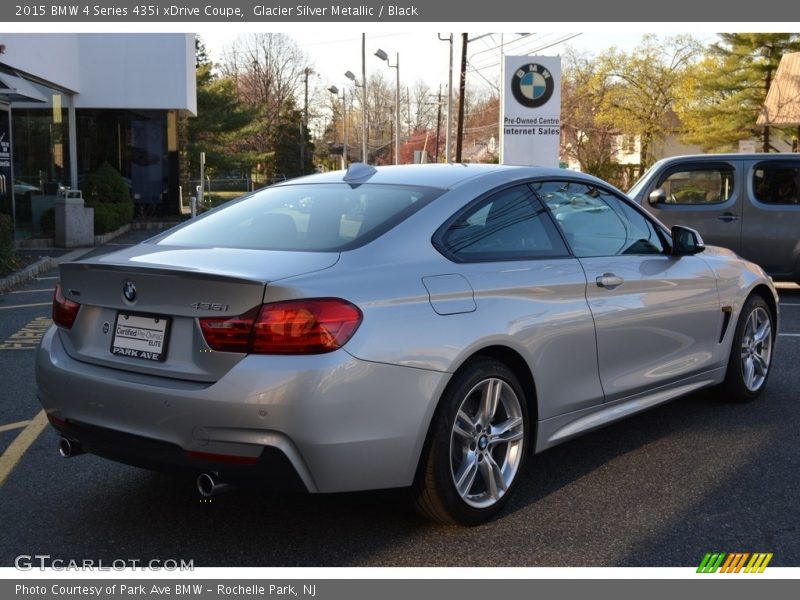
223	458
56	422
64	310
312	326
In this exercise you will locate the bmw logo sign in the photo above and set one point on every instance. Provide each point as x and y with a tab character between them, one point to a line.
129	291
532	85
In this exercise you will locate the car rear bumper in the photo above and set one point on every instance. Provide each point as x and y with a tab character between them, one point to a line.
332	422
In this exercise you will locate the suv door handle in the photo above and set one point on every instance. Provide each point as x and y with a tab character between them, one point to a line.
609	280
728	217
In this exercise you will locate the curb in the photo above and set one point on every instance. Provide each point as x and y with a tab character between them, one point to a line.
49	262
40	266
99	240
26	274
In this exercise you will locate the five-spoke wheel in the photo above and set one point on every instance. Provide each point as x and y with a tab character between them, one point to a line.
751	352
477	445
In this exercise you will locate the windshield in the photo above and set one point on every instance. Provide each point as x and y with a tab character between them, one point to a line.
304	217
638	185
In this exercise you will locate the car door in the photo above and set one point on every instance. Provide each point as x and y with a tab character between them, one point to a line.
772	217
657	316
704	195
527	289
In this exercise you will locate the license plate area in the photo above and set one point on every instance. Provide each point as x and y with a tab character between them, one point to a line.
139	336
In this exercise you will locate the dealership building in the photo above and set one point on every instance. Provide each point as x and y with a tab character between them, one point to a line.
70	102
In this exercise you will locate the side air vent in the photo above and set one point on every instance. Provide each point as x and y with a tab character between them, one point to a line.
726	320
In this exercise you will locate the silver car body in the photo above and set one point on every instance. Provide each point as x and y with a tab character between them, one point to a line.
357	418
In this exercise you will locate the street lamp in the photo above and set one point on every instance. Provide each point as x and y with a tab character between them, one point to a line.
335	91
383	56
363	86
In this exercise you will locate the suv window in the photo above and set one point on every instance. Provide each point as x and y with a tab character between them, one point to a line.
777	183
508	225
698	186
595	222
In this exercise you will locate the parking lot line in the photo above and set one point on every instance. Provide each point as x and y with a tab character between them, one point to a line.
790	304
12	426
789	335
48	290
17	449
45	278
25	305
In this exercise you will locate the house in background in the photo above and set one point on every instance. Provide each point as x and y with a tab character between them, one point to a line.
70	102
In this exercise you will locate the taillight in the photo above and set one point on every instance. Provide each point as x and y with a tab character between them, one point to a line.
232	334
311	326
64	309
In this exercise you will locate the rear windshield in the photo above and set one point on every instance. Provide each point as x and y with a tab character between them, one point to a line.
304	217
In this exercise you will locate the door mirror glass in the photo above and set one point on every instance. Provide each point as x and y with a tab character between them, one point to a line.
686	241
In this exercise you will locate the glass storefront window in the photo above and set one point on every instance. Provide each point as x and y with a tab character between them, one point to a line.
40	134
134	142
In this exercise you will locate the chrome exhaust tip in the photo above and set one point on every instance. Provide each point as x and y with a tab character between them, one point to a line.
69	448
209	484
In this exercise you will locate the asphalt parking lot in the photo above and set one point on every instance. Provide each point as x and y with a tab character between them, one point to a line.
660	489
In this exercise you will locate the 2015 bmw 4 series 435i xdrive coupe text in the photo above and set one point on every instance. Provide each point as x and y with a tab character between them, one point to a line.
426	326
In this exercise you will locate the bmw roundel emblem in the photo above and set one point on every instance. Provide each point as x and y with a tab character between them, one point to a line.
532	85
129	291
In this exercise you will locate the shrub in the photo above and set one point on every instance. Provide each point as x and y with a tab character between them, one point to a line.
106	218
48	222
106	191
6	244
105	186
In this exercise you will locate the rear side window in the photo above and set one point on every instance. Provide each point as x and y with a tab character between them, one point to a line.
310	217
777	183
595	222
698	186
508	225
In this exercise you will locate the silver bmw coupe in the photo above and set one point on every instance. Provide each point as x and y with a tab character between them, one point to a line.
418	326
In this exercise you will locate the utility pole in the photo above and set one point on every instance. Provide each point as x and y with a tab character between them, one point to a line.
765	147
461	87
449	124
307	71
438	120
364	155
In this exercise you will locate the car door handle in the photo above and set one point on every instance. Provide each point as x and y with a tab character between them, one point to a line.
728	217
609	280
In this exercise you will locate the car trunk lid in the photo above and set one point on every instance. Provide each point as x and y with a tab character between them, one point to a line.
140	307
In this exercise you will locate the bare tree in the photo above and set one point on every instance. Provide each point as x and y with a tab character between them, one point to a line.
269	71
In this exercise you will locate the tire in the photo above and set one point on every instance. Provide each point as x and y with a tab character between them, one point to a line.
474	453
751	353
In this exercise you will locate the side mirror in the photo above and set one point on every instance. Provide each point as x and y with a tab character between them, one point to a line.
658	196
686	241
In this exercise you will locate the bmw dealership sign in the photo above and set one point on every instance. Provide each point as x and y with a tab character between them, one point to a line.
531	132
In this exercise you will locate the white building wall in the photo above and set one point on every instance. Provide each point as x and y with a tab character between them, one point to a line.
111	70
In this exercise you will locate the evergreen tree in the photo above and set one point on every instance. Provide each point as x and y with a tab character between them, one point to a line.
221	120
721	101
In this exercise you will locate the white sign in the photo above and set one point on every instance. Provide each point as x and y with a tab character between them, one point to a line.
747	146
531	119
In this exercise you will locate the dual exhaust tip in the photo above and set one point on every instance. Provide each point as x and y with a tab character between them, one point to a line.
208	484
69	448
